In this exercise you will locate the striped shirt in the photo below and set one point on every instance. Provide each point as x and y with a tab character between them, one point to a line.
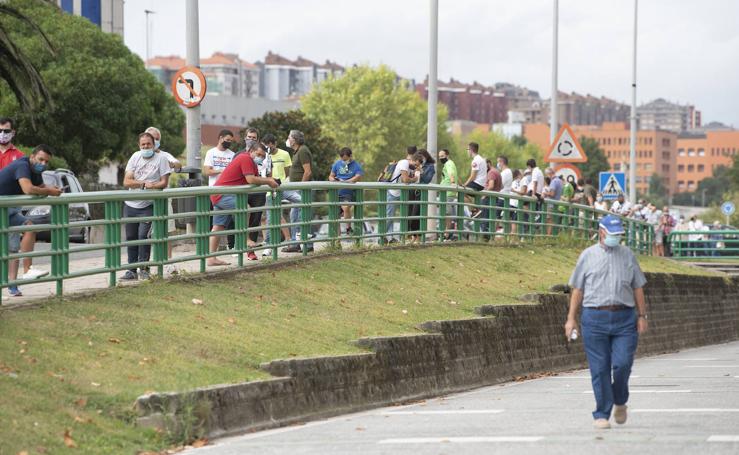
607	276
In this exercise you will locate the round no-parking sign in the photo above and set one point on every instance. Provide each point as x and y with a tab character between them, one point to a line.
728	208
188	86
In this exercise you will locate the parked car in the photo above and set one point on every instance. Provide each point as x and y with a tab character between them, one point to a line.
727	244
41	214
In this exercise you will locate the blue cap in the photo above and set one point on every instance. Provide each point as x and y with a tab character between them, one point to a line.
612	224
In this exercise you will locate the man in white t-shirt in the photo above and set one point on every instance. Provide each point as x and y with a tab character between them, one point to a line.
506	175
621	206
404	173
146	170
219	157
479	169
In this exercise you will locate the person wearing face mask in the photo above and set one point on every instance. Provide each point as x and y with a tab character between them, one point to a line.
346	170
449	178
8	152
25	176
217	158
281	163
243	170
608	283
600	204
301	170
145	170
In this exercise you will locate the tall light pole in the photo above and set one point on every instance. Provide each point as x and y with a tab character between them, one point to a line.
432	127
148	13
192	43
553	108
632	152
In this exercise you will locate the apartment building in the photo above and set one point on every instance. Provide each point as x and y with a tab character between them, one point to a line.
700	154
472	102
664	115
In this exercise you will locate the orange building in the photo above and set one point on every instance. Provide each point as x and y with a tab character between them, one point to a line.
656	150
698	156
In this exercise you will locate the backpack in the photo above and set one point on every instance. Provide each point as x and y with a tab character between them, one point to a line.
387	173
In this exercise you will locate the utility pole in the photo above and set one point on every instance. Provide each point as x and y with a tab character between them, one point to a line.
553	107
632	152
432	127
148	13
192	42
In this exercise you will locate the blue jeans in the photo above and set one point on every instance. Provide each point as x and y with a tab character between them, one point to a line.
138	231
610	340
390	211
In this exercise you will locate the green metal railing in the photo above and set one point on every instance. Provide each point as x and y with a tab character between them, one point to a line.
428	207
719	244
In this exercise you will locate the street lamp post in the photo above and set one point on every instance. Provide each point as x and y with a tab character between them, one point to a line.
632	152
432	127
148	13
553	108
192	43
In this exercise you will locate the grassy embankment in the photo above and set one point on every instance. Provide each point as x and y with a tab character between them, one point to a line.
79	364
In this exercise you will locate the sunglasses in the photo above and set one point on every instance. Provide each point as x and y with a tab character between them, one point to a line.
6	131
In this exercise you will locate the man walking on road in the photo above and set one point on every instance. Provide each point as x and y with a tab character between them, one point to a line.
608	282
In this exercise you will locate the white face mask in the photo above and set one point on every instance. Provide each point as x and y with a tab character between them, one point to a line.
5	138
287	143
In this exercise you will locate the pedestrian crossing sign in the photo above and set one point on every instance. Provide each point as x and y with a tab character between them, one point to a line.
612	184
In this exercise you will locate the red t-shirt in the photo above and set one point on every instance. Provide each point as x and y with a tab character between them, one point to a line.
235	174
9	156
496	179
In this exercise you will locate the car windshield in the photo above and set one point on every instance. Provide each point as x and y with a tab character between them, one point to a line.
50	179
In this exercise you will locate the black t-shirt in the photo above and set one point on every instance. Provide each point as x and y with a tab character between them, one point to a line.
18	169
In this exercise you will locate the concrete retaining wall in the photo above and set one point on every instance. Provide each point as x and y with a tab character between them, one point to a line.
509	341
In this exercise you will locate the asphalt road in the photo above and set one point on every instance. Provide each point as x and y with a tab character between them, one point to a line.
681	403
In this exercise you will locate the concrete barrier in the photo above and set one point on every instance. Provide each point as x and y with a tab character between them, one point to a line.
509	342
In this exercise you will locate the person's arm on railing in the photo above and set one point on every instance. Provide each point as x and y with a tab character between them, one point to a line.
160	185
33	190
332	177
256	180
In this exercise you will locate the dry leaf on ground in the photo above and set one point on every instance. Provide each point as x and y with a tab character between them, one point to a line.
68	441
199	443
197	302
115	340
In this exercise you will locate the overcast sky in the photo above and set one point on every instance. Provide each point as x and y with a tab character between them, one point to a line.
688	49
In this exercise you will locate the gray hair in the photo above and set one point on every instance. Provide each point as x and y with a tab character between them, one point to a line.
298	136
154	129
250	145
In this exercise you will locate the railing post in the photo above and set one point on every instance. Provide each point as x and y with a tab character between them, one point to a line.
334	223
4	249
382	215
241	224
305	218
358	210
202	228
423	213
477	221
506	215
159	233
275	215
459	224
59	245
441	224
404	214
112	237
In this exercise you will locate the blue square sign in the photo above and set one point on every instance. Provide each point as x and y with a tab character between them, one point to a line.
612	184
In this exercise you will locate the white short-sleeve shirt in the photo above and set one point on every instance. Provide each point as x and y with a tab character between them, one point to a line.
481	167
403	165
218	160
149	170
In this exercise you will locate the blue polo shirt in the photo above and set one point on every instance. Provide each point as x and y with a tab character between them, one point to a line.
344	171
18	169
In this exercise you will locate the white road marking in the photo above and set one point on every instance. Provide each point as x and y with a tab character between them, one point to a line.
723	438
653	391
687	410
711	366
450	411
692	360
462	440
583	377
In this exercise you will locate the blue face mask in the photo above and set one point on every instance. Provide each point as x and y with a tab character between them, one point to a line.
612	240
147	153
38	167
157	144
258	160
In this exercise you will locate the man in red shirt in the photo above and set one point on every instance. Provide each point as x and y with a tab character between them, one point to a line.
241	171
8	152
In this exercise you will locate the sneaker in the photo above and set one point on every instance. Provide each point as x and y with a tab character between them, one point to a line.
601	424
144	275
292	249
14	291
171	269
251	256
130	275
33	274
619	414
267	254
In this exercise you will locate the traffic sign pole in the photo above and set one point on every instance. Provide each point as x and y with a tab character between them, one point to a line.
193	59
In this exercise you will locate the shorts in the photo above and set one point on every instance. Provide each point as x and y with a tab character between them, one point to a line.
475	186
227	202
16	218
347	197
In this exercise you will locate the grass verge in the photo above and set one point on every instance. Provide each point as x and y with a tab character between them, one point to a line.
76	366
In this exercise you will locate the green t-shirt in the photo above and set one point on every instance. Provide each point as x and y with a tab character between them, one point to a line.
447	172
280	161
301	157
567	194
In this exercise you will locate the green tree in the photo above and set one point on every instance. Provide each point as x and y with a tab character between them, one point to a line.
16	68
103	96
597	161
374	113
733	174
324	149
657	190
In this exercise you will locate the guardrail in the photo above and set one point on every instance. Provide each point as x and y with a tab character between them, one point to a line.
498	216
714	243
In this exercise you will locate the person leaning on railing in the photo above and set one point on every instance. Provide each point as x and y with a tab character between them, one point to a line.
448	178
242	170
25	176
426	176
346	170
301	170
402	173
145	170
